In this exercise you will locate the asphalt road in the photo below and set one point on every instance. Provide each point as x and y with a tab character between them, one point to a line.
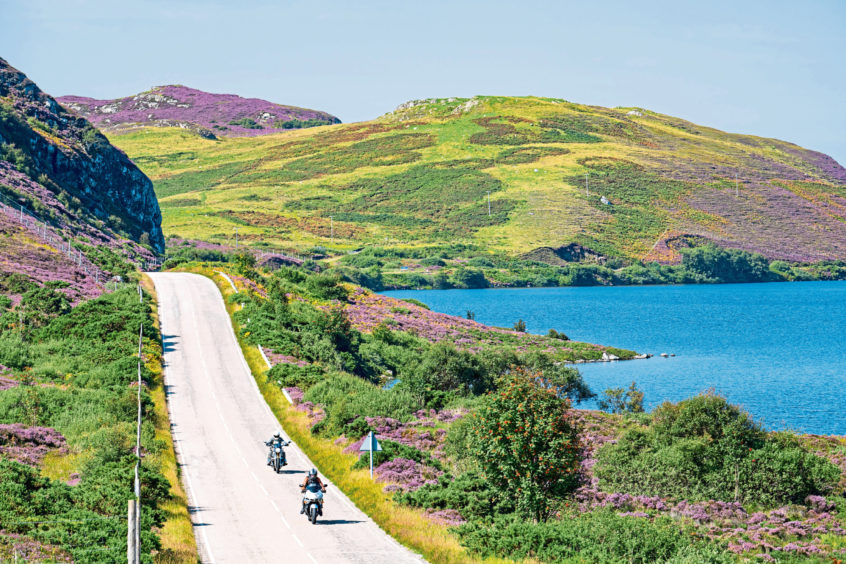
242	511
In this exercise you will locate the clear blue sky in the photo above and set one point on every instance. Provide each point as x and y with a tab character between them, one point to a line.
770	68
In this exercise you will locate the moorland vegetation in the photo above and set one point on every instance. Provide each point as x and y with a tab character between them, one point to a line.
483	437
67	426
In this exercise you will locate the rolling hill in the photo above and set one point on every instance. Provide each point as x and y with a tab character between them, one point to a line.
536	177
209	115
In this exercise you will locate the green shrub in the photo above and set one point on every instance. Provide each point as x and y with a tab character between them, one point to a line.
246	123
469	278
444	371
290	375
469	494
90	350
13	351
599	536
705	448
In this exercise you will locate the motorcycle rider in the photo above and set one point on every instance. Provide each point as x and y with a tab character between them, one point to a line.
276	441
311	478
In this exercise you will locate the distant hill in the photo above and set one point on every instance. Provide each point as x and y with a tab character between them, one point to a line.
73	208
615	182
210	115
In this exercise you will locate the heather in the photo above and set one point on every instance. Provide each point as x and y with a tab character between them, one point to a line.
206	113
74	400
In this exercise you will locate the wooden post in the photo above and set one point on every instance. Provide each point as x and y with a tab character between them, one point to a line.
131	539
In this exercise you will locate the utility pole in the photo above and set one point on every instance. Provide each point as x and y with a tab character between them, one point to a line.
489	203
136	503
587	192
131	548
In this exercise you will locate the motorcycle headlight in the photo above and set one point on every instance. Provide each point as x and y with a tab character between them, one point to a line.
278	449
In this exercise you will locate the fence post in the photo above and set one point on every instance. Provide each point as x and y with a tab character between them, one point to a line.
132	525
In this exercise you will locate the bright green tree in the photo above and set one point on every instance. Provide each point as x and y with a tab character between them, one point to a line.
525	439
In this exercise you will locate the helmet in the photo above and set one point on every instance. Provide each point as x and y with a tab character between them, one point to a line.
277	434
312	472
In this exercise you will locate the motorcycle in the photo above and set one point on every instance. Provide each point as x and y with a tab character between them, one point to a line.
313	500
277	457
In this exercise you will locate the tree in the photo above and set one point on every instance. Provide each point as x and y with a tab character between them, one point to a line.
520	326
619	400
525	440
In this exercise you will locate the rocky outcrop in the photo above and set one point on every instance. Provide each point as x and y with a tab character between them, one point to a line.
209	115
66	155
563	255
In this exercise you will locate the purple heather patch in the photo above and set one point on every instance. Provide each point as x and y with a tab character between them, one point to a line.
37	250
177	106
407	474
367	310
29	445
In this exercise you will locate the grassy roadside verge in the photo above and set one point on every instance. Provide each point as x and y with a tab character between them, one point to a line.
408	526
177	533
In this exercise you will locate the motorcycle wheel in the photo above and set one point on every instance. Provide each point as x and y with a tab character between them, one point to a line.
312	513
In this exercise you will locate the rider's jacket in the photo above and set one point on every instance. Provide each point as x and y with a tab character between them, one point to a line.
275	441
312	479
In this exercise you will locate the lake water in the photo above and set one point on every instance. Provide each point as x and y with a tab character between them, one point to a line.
776	349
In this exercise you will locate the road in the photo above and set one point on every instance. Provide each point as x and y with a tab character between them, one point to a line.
242	511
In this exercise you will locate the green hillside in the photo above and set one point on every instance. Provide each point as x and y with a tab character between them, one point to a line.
420	177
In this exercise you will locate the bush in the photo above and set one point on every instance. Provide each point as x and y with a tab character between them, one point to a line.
469	278
290	375
346	399
13	351
705	448
326	286
469	494
90	352
599	536
443	372
727	265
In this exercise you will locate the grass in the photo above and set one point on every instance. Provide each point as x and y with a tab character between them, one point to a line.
58	466
177	533
408	526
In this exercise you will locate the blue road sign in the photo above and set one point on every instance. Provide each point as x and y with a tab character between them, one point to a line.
370	443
